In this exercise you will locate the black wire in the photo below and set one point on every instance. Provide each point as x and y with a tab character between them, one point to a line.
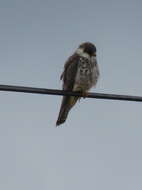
33	90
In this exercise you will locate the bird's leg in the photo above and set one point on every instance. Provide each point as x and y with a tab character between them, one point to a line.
79	98
84	94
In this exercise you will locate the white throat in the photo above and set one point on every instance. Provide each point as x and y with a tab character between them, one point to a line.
80	52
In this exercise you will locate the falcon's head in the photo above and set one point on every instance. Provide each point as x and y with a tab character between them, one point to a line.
87	48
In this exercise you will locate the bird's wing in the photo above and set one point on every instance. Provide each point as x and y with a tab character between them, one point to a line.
68	76
69	73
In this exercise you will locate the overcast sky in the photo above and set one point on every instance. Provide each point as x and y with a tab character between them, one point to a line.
99	146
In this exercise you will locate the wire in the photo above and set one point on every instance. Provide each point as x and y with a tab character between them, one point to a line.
45	91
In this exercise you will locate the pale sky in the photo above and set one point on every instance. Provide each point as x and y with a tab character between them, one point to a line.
99	146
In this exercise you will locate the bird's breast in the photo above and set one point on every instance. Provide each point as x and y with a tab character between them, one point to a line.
86	74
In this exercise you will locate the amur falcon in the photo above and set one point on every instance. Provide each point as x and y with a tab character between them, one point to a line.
80	73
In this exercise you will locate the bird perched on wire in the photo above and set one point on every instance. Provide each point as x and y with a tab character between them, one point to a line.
80	73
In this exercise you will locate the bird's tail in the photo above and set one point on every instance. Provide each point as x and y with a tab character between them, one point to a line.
67	103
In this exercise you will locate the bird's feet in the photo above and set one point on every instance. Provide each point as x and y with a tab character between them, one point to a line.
84	94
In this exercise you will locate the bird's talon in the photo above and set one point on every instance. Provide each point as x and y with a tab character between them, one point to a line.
84	94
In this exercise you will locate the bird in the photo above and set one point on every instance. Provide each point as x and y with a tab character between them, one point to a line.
80	74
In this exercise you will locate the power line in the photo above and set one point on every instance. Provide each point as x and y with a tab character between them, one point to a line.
45	91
